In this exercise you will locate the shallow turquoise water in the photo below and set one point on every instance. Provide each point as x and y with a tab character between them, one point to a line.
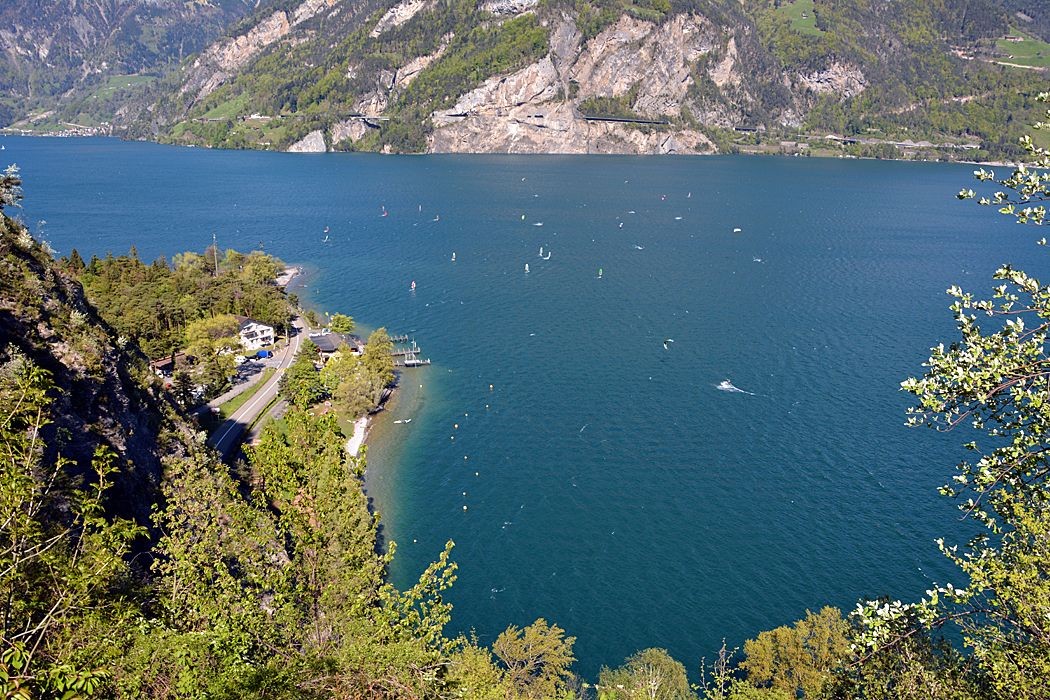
610	486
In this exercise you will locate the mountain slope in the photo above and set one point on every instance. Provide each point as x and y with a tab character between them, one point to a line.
51	50
597	76
103	397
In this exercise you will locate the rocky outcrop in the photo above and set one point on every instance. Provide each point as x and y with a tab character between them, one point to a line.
408	72
222	60
386	84
725	71
308	9
311	143
559	130
509	7
530	111
218	63
398	15
837	79
533	85
350	130
656	61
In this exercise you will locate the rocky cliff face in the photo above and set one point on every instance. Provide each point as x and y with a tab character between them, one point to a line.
311	143
838	78
668	79
530	111
651	69
398	15
523	76
559	130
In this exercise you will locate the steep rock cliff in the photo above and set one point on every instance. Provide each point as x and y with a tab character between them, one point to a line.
527	112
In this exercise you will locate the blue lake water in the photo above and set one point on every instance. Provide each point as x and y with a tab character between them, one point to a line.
610	486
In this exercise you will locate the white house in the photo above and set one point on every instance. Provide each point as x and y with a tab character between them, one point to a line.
254	335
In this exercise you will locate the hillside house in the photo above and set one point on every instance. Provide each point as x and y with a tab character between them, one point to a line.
253	334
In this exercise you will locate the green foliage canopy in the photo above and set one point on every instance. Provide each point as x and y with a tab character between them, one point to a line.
154	304
651	674
536	658
996	381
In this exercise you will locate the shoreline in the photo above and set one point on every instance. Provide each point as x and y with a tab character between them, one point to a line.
289	273
5	132
357	440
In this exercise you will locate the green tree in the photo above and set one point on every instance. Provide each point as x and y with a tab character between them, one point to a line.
224	622
64	610
916	666
348	383
536	658
76	263
725	683
309	479
800	658
341	323
998	382
10	187
222	327
182	387
212	343
378	363
474	675
301	383
651	674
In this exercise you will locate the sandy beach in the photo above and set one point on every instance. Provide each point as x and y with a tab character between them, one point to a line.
353	445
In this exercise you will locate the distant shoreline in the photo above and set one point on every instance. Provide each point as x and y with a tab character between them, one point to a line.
764	154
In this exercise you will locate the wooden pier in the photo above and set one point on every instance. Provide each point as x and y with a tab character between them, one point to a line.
411	361
404	352
407	356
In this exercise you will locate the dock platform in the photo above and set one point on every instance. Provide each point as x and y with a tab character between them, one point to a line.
407	356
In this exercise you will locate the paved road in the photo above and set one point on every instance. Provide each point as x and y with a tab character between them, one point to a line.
227	436
244	383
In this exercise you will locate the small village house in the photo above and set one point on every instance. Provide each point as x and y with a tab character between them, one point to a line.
331	344
253	334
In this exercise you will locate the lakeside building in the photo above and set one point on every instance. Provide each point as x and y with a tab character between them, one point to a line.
331	344
254	334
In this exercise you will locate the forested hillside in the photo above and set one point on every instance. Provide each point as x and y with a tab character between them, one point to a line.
134	564
1029	15
98	52
903	78
889	78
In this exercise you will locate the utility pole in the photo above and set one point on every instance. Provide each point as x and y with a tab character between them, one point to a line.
215	251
